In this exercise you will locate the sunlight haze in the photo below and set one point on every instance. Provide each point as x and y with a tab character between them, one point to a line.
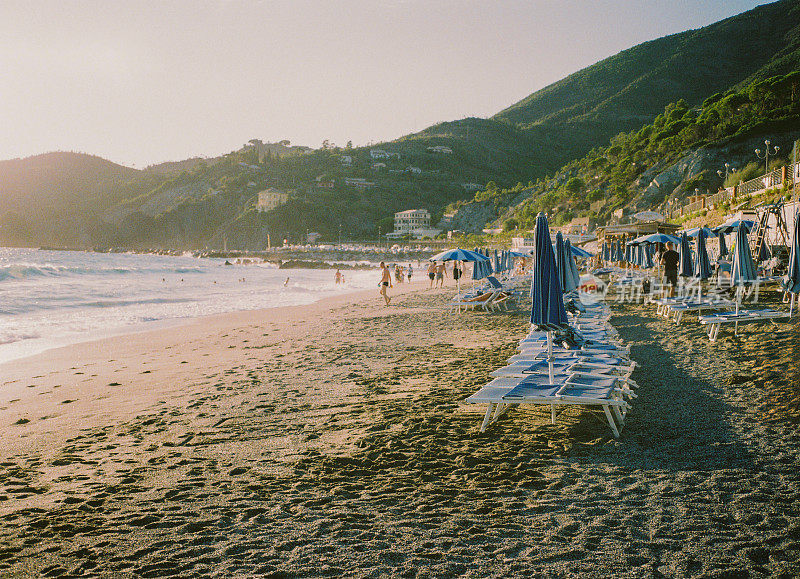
144	82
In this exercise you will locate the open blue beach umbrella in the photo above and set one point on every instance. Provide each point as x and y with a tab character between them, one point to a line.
702	269
660	238
733	226
704	231
458	255
685	267
764	252
723	247
579	252
792	281
547	303
573	266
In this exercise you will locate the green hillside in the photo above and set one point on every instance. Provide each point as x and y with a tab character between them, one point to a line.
628	90
679	152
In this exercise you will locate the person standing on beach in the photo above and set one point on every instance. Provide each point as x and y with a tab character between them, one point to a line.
410	271
386	282
338	277
432	272
440	271
670	260
457	271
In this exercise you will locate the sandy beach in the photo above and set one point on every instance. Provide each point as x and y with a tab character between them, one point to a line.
331	440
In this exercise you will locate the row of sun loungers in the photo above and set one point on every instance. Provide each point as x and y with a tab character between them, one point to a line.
593	371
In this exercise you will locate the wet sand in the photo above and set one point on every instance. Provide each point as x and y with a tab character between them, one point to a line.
331	440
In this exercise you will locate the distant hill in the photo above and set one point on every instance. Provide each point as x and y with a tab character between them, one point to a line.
70	198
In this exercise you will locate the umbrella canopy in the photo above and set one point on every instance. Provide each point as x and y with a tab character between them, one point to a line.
547	308
659	238
743	270
704	231
685	268
764	252
702	269
793	275
649	216
576	276
733	226
579	252
513	253
723	248
458	255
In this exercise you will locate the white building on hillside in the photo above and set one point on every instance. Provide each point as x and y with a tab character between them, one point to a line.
269	199
415	222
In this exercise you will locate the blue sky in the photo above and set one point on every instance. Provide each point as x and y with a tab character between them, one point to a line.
141	82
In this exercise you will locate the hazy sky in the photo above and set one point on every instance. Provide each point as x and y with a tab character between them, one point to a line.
140	82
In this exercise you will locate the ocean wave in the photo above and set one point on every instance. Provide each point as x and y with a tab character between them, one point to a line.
19	271
11	337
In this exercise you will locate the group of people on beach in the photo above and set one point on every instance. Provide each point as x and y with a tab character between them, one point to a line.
438	272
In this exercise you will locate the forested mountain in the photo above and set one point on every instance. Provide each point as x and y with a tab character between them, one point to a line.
73	199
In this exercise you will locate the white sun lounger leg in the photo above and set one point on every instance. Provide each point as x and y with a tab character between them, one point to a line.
487	417
552	414
611	421
619	415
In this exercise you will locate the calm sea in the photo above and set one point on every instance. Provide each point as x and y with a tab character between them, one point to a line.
54	298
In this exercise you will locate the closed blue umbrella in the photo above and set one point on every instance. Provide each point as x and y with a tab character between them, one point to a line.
573	267
763	251
620	250
564	271
685	267
604	253
629	251
723	247
547	303
743	270
792	282
496	261
648	256
702	269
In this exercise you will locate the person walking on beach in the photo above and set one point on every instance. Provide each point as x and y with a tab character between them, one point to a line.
338	277
386	282
432	272
670	260
410	271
